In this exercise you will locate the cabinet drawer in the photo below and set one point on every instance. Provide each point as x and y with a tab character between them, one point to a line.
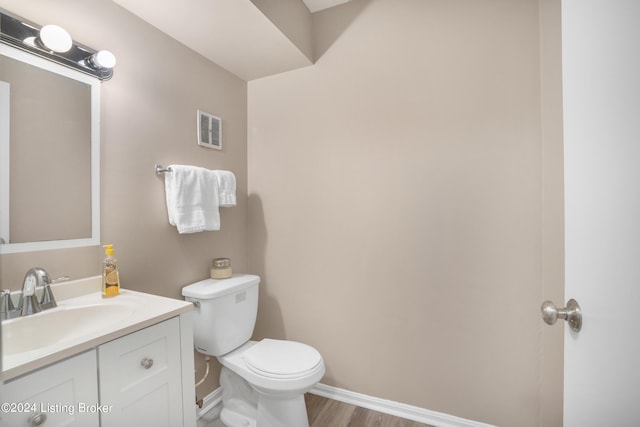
140	375
63	394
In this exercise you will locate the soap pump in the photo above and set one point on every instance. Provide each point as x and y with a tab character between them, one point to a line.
110	279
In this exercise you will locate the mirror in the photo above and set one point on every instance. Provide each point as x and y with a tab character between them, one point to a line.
49	154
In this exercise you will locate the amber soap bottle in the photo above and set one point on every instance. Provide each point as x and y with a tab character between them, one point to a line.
110	278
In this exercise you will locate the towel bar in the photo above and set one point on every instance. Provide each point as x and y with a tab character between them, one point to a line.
161	169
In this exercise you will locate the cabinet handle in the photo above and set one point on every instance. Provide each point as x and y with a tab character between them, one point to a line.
37	420
147	362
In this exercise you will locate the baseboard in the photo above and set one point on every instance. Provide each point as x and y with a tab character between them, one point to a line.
414	413
209	402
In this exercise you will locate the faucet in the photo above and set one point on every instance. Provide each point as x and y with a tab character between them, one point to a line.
47	300
7	309
29	303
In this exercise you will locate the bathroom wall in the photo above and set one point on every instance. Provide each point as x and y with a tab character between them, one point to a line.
552	350
148	116
404	198
405	204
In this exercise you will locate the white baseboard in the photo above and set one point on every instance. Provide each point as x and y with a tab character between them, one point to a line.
209	402
390	407
414	413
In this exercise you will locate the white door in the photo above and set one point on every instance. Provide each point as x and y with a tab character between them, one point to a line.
601	95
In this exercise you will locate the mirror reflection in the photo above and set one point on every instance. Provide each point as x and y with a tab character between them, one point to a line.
47	178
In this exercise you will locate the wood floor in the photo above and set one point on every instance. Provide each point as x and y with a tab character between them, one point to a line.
325	412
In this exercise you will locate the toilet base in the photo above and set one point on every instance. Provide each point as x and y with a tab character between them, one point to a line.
243	406
233	419
282	412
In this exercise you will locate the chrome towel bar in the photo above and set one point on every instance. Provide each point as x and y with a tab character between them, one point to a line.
161	169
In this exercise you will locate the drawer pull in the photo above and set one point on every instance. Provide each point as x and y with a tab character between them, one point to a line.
147	363
37	420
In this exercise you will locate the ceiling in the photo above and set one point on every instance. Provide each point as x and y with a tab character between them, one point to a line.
316	5
231	33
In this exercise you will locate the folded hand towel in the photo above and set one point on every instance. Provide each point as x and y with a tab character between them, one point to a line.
226	188
192	199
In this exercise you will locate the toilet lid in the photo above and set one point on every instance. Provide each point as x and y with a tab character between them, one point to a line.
277	358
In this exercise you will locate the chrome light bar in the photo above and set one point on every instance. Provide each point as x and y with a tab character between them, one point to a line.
27	36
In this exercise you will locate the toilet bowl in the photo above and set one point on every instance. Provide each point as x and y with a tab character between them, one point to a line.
263	382
280	372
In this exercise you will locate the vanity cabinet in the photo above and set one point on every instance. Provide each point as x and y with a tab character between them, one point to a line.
145	378
63	394
140	377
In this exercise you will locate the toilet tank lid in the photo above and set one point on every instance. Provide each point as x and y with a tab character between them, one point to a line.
216	288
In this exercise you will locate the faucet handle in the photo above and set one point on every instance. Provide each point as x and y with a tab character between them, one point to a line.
6	300
48	300
7	309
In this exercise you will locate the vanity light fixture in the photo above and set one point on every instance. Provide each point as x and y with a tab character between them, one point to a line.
54	38
54	43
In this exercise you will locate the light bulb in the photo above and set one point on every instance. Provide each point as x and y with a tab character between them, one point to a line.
102	59
55	38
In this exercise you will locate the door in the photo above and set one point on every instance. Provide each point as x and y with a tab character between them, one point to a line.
601	95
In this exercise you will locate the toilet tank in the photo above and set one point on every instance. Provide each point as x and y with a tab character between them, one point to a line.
225	313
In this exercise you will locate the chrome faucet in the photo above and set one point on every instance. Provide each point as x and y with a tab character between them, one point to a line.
7	309
47	300
29	303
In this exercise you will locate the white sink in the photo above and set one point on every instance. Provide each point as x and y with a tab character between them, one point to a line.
54	326
82	320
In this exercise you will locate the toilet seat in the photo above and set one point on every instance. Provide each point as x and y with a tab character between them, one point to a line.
262	373
281	359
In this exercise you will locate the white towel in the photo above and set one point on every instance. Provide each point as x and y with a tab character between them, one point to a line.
192	199
226	188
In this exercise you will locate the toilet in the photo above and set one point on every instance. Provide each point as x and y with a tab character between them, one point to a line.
263	382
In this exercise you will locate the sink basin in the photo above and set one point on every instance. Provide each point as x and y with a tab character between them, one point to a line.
82	321
57	325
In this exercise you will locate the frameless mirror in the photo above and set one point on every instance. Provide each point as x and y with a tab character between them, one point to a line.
49	154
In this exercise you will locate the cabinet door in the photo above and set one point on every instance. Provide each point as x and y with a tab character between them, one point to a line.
63	394
140	375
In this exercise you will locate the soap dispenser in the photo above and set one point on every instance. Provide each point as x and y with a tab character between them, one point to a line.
110	279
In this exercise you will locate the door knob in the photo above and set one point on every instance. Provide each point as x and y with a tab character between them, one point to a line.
571	313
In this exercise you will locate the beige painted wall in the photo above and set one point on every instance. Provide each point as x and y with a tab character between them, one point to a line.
148	116
402	208
404	198
552	344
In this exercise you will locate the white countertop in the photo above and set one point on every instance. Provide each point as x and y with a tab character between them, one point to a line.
135	311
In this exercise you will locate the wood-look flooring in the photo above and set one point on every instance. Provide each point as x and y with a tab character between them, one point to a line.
325	412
